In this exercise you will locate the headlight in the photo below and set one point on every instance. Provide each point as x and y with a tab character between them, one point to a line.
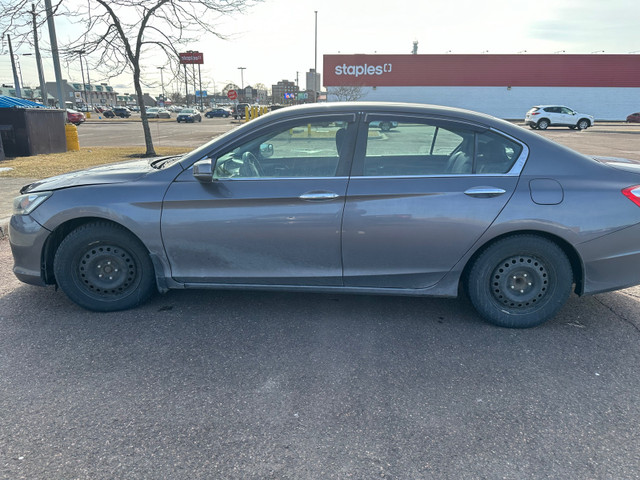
25	204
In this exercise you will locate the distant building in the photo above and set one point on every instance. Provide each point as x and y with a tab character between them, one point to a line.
285	92
314	81
32	94
76	94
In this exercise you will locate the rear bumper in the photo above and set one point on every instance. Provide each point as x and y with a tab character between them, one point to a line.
612	262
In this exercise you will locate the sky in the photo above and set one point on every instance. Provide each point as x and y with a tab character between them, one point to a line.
275	39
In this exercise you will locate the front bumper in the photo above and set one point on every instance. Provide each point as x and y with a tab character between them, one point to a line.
27	239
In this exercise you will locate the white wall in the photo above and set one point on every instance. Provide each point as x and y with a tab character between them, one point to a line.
513	103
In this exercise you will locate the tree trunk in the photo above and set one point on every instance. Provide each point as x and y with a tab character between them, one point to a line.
143	114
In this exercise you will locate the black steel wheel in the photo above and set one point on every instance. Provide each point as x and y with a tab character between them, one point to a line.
520	281
103	267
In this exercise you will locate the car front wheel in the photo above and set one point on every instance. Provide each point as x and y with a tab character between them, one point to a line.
520	281
103	267
583	124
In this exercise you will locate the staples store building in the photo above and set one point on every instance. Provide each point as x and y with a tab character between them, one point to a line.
506	86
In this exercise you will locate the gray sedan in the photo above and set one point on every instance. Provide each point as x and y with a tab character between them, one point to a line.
319	198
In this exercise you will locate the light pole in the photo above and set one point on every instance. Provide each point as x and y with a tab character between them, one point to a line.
84	92
162	84
19	69
315	68
242	69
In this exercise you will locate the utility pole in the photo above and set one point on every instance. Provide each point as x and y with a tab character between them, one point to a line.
54	53
43	88
16	80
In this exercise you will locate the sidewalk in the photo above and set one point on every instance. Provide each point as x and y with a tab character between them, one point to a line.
9	188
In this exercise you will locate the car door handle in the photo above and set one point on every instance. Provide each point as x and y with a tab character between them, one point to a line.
319	196
484	192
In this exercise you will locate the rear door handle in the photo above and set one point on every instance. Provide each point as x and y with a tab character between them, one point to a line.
318	196
484	192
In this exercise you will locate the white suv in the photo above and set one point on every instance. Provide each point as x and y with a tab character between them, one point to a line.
544	116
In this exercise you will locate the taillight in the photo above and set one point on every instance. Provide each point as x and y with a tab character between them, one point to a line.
633	194
535	113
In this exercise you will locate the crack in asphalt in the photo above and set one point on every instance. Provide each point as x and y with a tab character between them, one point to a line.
619	315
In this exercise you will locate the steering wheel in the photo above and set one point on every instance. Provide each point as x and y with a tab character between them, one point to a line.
250	166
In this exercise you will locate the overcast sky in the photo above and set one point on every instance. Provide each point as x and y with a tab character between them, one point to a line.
275	39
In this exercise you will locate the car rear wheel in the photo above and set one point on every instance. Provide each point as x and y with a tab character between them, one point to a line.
520	281
103	267
385	126
583	124
543	124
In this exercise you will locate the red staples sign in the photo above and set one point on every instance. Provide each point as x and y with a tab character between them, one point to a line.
482	70
191	57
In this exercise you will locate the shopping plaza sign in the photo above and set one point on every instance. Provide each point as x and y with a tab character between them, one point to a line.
189	58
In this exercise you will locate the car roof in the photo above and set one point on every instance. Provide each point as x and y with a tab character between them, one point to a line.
450	113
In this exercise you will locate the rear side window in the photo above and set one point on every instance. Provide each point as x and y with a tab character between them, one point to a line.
426	149
495	154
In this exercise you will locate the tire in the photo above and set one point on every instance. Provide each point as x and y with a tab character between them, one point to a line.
543	124
533	126
520	281
583	124
104	268
385	126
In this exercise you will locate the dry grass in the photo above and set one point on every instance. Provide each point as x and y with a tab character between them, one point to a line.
42	166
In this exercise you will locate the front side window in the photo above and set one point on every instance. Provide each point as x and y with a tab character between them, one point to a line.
432	149
304	149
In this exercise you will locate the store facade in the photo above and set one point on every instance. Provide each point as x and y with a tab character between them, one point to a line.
506	86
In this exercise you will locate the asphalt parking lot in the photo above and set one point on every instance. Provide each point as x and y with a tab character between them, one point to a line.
255	385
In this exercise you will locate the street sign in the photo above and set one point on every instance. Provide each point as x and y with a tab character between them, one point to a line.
232	94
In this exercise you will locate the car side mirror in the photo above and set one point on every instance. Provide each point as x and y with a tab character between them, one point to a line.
266	150
203	170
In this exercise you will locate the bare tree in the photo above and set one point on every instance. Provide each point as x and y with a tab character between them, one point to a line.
346	94
121	35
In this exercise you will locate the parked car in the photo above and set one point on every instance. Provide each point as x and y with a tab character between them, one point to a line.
634	118
453	200
385	126
239	110
75	117
156	112
544	116
218	112
122	112
189	115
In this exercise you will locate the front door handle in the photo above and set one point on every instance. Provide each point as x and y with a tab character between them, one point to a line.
319	196
484	192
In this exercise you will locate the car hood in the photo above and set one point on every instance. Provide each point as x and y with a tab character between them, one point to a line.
105	174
